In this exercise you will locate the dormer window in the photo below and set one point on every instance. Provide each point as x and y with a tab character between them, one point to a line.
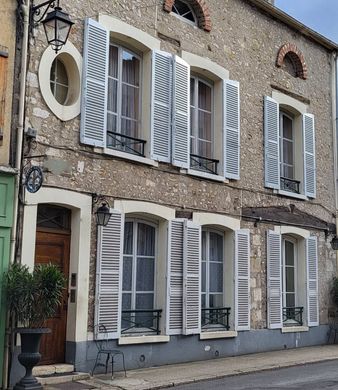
183	10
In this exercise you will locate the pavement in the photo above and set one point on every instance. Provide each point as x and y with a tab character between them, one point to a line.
178	374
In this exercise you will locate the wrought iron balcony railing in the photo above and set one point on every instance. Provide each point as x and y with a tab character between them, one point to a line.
204	164
216	318
141	321
293	316
289	185
125	143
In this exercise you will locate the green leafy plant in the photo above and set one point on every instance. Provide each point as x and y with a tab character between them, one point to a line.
33	297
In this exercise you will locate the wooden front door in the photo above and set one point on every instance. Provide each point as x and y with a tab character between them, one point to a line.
53	247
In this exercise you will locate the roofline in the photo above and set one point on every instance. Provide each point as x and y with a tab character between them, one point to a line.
292	22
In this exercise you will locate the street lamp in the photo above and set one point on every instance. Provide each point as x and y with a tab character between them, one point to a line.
57	23
102	214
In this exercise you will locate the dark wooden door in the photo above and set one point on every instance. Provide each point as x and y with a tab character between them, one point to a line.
53	247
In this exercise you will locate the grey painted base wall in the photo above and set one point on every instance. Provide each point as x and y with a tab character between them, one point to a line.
182	349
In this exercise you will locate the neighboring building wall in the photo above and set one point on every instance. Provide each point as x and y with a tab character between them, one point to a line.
7	54
245	42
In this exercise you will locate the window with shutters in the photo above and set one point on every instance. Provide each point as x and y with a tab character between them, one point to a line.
201	126
124	101
139	311
290	165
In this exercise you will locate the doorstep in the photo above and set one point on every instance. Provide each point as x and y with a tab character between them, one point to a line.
52	369
62	378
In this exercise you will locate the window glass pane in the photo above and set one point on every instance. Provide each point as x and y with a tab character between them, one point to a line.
192	92
203	301
145	274
145	240
216	277
216	300
287	127
290	300
111	126
127	273
128	238
112	95
204	96
216	247
287	171
290	279
289	253
180	8
130	69
129	128
288	152
204	245
144	301
130	102
204	276
61	76
204	149
204	125
60	93
126	301
113	61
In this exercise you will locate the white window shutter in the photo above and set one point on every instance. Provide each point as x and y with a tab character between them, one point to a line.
231	129
109	277
94	84
191	278
274	276
161	105
271	143
181	114
242	279
309	155
174	318
312	281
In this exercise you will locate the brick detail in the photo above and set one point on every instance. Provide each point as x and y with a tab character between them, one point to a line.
201	11
296	57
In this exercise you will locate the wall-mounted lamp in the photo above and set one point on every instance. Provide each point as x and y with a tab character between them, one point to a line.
102	213
57	23
334	243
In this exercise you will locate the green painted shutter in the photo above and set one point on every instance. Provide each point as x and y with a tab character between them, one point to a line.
6	200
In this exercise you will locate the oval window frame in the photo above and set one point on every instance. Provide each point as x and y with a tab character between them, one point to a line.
72	60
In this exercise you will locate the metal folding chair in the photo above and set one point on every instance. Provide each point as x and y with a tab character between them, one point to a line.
104	349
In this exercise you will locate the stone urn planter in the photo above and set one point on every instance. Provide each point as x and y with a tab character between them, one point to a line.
32	298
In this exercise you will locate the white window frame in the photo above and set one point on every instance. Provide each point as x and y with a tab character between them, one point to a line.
120	83
134	256
194	105
55	81
207	265
181	17
284	266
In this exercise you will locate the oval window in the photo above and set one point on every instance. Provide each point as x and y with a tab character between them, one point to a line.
59	81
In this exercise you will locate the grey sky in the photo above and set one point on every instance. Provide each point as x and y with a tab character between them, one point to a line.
320	15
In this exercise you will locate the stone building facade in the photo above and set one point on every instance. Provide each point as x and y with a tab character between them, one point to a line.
227	212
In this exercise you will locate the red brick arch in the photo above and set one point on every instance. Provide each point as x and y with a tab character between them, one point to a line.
201	11
296	57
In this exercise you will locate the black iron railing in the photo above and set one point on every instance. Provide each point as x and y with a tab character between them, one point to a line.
203	164
125	143
216	317
141	321
293	316
289	185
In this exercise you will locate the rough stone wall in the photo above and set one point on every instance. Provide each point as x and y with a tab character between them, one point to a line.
246	42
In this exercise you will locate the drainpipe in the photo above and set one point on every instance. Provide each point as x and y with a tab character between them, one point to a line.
19	142
335	133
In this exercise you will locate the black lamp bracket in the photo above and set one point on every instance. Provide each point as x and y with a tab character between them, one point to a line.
99	198
38	13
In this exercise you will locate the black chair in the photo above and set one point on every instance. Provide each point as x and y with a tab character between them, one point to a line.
104	349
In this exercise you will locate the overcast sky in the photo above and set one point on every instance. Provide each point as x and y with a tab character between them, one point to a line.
320	15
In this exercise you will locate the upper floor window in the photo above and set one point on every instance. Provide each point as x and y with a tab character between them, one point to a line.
184	11
59	81
123	110
201	126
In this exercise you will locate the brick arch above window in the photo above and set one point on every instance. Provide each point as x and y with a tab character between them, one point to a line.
201	11
296	57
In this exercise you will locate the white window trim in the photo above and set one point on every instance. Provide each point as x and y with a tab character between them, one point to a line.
282	113
195	24
205	175
128	156
284	266
294	329
291	194
146	339
218	335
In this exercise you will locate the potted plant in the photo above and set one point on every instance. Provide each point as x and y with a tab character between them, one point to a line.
32	298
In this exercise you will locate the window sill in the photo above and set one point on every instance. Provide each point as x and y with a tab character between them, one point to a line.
204	175
295	329
129	156
292	195
129	340
218	335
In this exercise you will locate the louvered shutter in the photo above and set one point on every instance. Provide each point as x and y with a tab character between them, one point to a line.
231	129
161	105
94	84
108	276
242	279
309	155
271	146
191	278
181	114
274	275
312	281
175	278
